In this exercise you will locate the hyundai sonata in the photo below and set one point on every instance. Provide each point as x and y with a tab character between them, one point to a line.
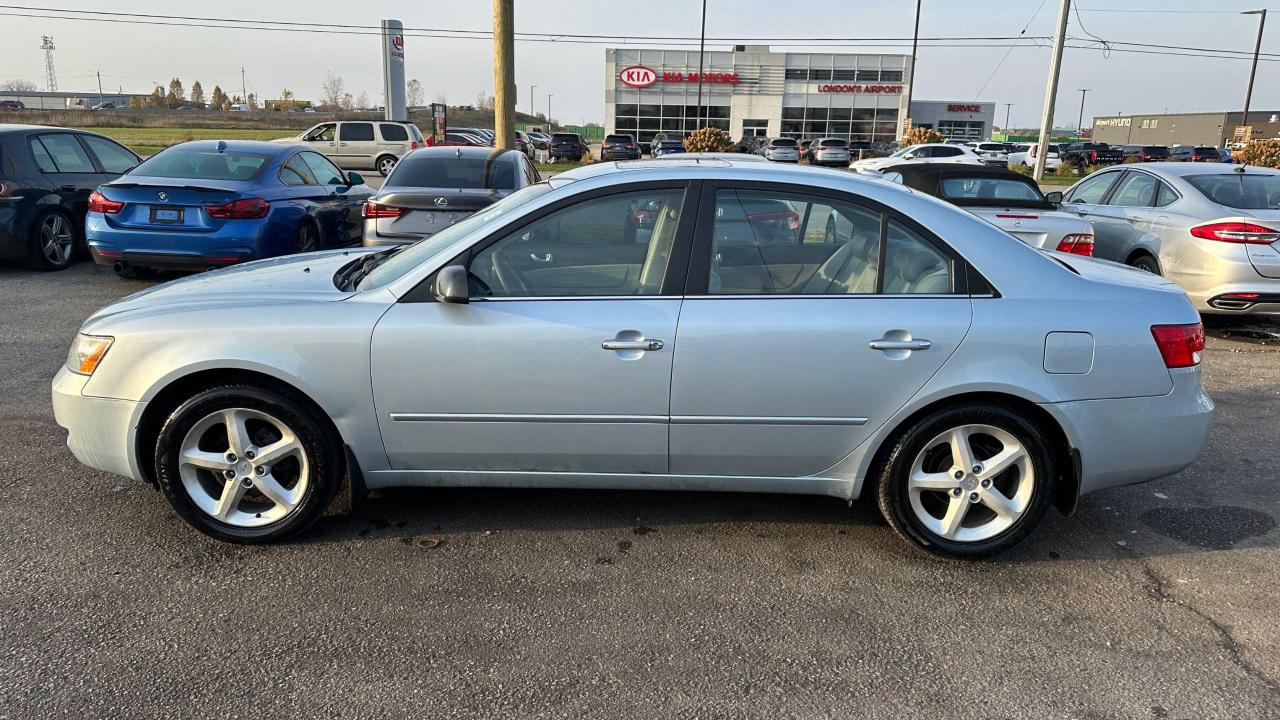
675	325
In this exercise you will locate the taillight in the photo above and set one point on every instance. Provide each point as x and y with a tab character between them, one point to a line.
1236	232
374	210
1081	244
1093	156
8	189
246	209
413	144
101	204
1180	345
789	217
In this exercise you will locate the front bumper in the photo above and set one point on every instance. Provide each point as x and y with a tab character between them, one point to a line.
1130	440
100	431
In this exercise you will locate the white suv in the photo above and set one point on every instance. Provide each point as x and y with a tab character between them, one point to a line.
361	144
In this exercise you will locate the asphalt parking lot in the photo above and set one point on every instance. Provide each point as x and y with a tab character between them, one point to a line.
1153	601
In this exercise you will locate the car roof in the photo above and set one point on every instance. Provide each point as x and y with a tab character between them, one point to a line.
1184	169
693	165
919	169
265	147
15	129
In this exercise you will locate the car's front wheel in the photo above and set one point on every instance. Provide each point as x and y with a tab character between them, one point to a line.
967	482
247	464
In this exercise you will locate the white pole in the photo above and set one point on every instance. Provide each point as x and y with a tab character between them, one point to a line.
1051	90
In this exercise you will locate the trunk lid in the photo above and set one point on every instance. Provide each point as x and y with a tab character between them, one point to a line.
1037	228
1113	273
166	204
427	211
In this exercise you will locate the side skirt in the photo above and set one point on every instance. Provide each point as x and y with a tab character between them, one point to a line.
833	487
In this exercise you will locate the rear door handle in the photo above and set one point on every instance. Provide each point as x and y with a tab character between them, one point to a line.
892	344
644	345
68	188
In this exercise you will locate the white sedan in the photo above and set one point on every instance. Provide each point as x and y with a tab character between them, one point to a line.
926	152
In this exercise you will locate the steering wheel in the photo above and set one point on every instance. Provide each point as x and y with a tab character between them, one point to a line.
508	275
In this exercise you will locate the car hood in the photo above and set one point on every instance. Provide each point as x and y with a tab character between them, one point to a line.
292	279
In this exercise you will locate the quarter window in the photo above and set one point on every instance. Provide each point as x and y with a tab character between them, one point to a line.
615	245
66	154
295	172
393	133
1165	196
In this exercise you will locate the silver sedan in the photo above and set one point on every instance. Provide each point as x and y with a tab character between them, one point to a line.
683	325
1212	228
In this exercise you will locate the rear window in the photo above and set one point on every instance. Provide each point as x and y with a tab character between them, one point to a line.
564	137
1206	151
177	162
982	188
392	132
1155	150
1240	190
427	171
783	142
833	143
618	138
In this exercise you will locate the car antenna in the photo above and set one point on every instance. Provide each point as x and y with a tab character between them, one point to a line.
222	146
457	152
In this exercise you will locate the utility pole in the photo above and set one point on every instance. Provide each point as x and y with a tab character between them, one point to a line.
1080	122
549	123
911	76
1248	97
99	87
504	74
532	111
1051	89
702	41
1007	107
244	94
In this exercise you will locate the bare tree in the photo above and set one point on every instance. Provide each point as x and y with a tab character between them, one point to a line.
19	85
332	89
362	101
415	92
440	98
346	102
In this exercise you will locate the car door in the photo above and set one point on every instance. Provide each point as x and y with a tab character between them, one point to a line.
1087	197
561	361
784	380
67	166
1124	219
338	204
323	138
357	146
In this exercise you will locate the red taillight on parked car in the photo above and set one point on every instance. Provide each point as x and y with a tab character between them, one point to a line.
246	209
1080	244
1093	156
374	210
101	204
1180	345
1236	232
413	144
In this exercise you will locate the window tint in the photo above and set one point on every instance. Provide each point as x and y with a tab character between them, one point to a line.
326	173
355	132
770	243
912	265
295	172
189	163
945	152
1253	191
43	159
1165	195
986	188
432	171
392	132
1092	189
605	246
113	157
68	156
1135	190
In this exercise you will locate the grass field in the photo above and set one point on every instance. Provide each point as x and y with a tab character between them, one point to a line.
147	141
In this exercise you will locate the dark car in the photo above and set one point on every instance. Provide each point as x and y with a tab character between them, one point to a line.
433	188
568	146
670	146
12	105
1082	154
1195	153
619	147
1145	153
46	177
212	203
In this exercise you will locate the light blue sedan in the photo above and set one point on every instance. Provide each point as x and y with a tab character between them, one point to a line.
682	325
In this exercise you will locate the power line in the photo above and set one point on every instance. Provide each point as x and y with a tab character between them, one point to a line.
1008	52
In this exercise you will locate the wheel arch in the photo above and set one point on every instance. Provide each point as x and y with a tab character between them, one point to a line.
1066	458
377	161
1143	251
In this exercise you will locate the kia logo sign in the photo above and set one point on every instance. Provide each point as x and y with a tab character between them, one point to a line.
398	42
638	76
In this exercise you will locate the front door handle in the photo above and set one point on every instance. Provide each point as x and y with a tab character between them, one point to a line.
643	345
1135	218
895	344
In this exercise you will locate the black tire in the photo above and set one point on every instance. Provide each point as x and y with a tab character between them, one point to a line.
53	221
893	474
1145	262
323	457
385	164
307	239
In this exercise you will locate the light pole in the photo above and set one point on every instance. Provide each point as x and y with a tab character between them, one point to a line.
1080	122
702	41
1248	97
532	111
1007	107
911	75
549	123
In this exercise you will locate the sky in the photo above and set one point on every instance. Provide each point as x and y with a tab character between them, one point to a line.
134	56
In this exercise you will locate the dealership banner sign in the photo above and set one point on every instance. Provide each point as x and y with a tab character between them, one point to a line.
639	76
840	88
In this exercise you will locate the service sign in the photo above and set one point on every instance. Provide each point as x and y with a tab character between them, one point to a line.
638	76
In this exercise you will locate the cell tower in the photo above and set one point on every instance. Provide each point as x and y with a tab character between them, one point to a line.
51	77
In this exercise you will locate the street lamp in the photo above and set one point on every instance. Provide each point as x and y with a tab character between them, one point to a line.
1080	122
532	111
1248	97
549	123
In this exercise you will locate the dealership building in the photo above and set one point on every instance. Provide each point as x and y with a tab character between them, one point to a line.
1218	129
753	91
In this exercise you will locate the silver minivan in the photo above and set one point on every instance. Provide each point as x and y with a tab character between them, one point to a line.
361	144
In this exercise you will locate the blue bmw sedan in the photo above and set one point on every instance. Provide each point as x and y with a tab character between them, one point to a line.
212	203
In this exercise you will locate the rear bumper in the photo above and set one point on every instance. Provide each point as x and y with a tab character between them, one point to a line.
238	241
1213	300
100	431
620	155
1122	441
167	261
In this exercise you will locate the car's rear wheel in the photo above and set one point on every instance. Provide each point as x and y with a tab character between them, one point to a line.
1145	262
247	464
386	164
967	482
53	241
307	239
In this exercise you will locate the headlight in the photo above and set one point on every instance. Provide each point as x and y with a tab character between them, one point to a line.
86	352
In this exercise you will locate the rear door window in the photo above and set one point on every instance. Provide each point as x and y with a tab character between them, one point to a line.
392	132
1135	190
66	154
355	132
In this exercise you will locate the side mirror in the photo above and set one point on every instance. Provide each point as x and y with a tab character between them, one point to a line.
1054	197
355	178
451	285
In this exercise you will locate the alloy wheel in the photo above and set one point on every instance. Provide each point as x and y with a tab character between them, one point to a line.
386	165
971	483
57	241
243	467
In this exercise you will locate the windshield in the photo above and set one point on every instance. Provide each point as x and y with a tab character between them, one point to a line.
1237	190
492	171
189	163
903	151
414	255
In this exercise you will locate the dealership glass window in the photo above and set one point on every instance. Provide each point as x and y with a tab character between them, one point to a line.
868	75
890	76
886	114
843	75
719	112
862	114
650	110
649	123
627	110
815	113
821	74
676	124
792	113
839	129
796	74
839	113
675	111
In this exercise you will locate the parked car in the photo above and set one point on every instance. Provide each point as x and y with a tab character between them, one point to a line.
359	145
1145	153
465	139
619	147
1214	230
212	203
436	187
12	105
1194	153
112	106
46	177
485	135
782	149
966	381
1082	154
804	147
669	146
523	144
993	153
541	140
568	146
829	151
1025	156
924	152
859	149
1006	199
